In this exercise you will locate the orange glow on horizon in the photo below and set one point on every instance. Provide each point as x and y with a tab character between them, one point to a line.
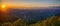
3	8
25	5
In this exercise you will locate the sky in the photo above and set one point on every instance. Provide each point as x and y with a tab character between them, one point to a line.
30	3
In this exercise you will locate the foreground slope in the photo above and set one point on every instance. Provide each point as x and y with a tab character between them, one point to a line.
52	21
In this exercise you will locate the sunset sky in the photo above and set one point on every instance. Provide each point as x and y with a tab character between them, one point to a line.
30	3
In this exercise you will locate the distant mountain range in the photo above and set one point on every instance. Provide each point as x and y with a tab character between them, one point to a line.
33	14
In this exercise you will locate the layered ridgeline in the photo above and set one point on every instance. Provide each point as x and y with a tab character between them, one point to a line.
30	16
